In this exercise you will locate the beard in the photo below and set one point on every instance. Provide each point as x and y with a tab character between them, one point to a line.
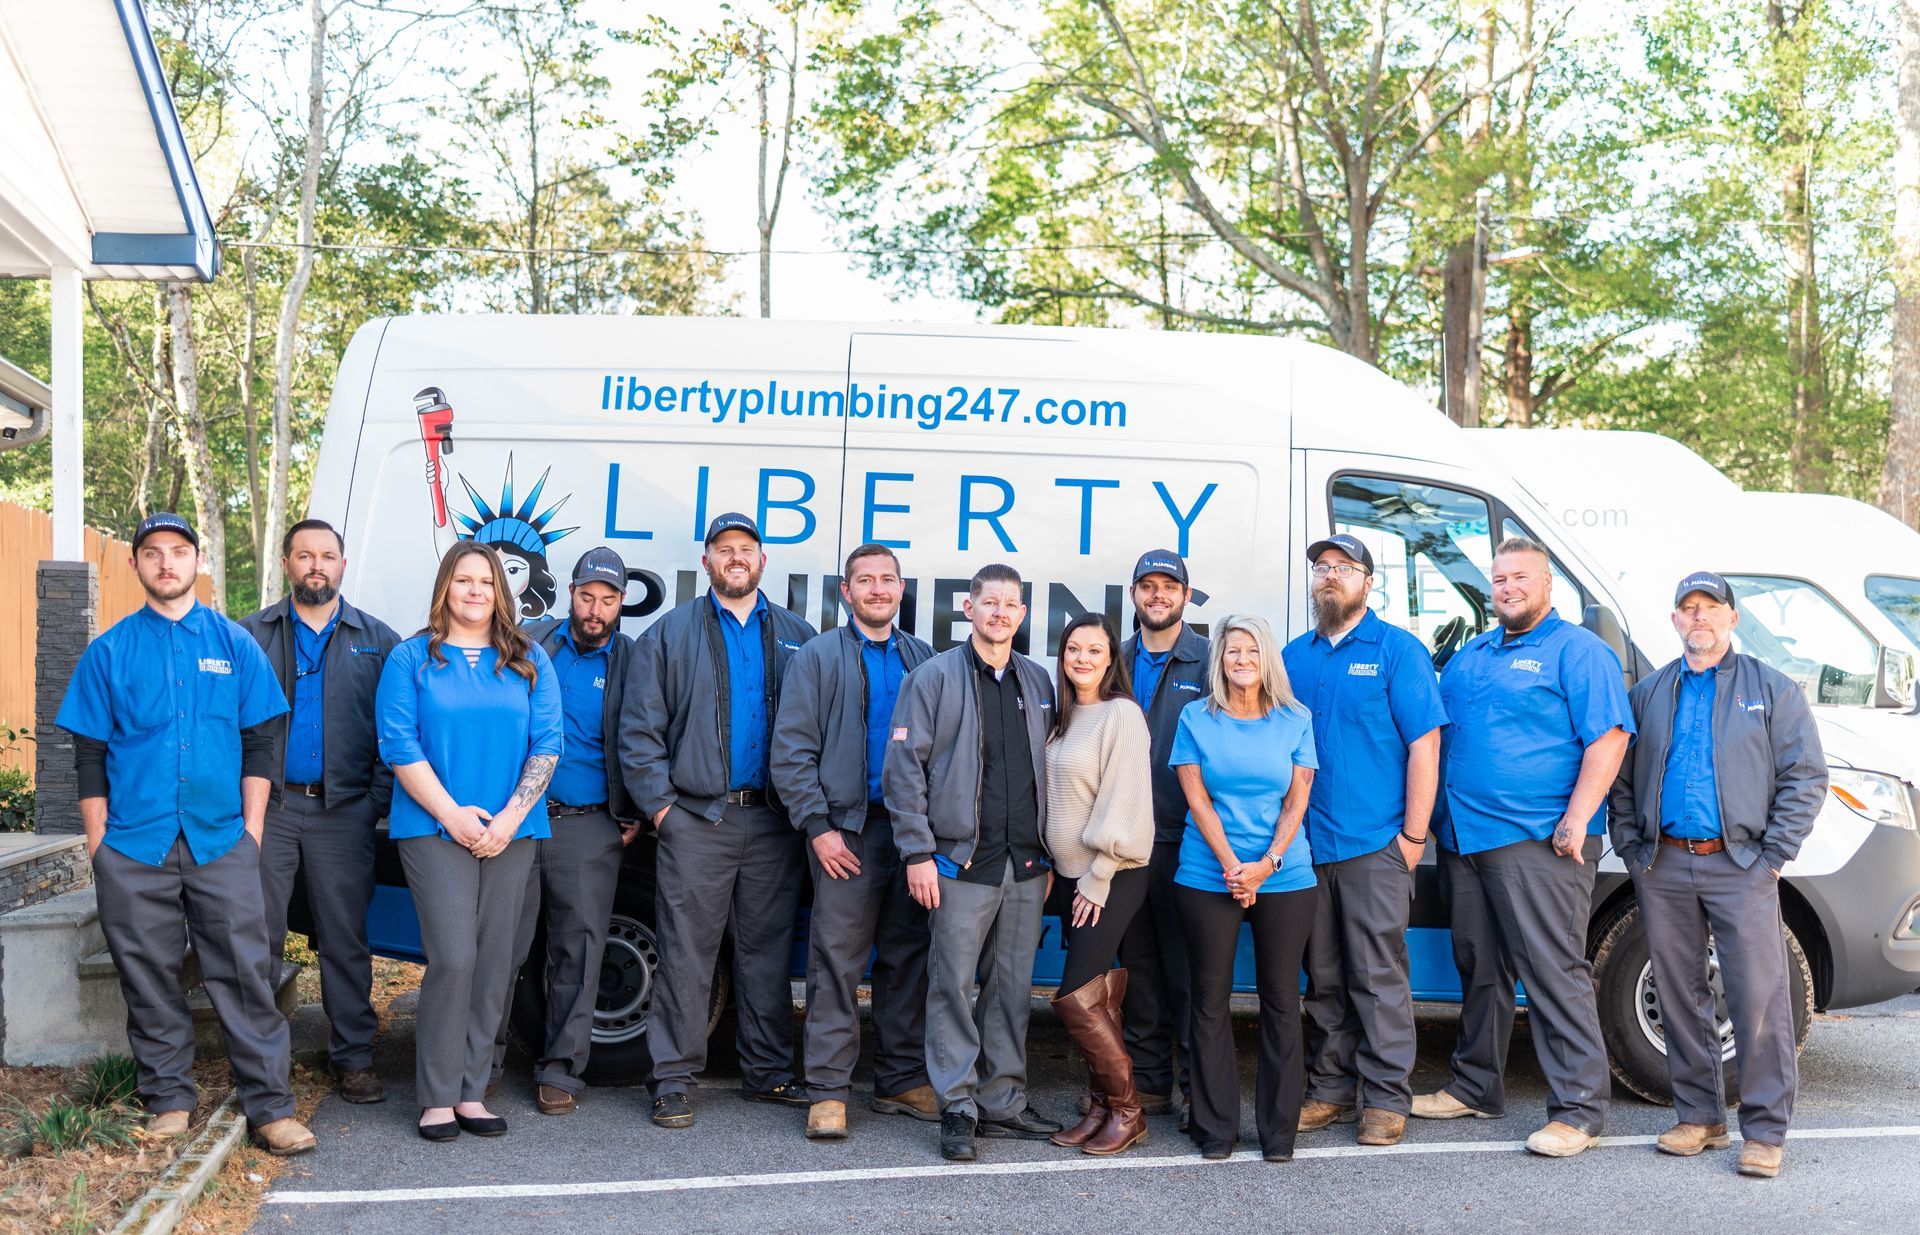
1333	611
735	591
1146	621
160	589
1701	642
304	594
585	639
1525	619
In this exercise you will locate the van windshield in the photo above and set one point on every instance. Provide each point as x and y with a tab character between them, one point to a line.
1433	553
1798	629
1899	599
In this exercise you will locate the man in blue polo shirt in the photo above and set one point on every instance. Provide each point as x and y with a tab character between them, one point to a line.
167	711
1538	725
1376	725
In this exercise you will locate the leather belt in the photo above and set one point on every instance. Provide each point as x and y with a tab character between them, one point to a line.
1694	846
556	810
302	791
747	797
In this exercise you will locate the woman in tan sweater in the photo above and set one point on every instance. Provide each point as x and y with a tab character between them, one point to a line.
1099	833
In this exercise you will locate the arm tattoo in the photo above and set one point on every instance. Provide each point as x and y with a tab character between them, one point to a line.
534	775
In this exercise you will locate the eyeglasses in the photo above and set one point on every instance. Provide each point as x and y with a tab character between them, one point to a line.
1339	570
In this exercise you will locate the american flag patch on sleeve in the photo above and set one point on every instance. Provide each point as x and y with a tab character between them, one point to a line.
900	734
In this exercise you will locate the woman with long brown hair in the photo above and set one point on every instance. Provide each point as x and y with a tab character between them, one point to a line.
1100	834
469	715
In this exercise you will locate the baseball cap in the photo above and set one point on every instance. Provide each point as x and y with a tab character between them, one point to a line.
601	565
1160	562
732	521
164	521
1348	545
1709	583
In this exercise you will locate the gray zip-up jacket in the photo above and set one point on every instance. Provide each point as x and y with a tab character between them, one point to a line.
818	764
932	773
351	766
676	719
1768	769
549	633
1183	680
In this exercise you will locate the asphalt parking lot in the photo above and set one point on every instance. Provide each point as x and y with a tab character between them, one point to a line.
747	1167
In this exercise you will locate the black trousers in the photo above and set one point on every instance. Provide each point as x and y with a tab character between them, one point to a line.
1091	949
1158	1008
1281	922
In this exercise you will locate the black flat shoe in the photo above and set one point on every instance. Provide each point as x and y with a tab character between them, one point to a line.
786	1093
1277	1155
491	1125
439	1132
1023	1125
1217	1151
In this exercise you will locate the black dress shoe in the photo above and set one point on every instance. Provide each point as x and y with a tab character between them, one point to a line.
1217	1151
956	1137
439	1132
786	1093
1277	1155
672	1110
489	1125
1023	1125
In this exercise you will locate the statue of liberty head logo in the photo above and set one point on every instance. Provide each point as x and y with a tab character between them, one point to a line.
520	536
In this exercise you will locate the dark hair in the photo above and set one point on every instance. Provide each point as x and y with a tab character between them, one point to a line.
541	591
510	643
310	525
1116	683
869	550
1521	544
997	572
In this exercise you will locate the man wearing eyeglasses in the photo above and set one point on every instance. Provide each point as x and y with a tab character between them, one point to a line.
1376	725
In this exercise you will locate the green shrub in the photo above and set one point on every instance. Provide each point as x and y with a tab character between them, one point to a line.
16	800
68	1125
109	1081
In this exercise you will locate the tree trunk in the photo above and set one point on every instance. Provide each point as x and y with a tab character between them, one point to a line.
210	516
536	272
762	85
1900	478
1811	452
249	406
1464	279
156	455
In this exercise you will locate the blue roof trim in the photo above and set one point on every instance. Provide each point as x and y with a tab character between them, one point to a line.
197	247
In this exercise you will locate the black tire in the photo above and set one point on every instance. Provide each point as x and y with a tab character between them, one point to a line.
1630	1009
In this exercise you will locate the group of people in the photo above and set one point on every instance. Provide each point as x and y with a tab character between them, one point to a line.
1159	794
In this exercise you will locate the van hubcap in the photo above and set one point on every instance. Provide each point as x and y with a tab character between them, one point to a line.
626	981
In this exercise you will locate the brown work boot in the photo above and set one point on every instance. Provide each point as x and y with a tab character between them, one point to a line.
553	1100
1380	1127
1684	1140
1760	1160
1082	1012
358	1085
284	1138
1442	1105
1317	1113
167	1125
827	1120
916	1103
1560	1140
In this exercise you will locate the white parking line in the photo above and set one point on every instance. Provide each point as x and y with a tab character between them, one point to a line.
620	1187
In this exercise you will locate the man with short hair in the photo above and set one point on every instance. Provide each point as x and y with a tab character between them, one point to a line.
1538	723
829	746
330	787
1721	789
168	710
696	726
1376	727
966	782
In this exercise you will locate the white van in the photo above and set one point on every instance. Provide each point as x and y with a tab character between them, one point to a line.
1064	453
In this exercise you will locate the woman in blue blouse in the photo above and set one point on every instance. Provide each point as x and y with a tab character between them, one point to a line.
470	721
1245	759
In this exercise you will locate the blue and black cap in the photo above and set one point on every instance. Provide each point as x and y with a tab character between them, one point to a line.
1707	584
732	521
164	521
601	565
1161	562
1349	545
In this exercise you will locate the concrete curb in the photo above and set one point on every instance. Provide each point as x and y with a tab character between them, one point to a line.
160	1209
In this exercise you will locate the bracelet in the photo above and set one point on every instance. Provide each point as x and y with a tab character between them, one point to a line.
1418	840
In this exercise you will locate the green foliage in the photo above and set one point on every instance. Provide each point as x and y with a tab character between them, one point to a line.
112	1080
67	1124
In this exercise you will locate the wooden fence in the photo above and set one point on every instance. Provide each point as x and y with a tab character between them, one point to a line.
26	537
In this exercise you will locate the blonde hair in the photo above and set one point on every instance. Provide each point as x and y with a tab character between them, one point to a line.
1275	691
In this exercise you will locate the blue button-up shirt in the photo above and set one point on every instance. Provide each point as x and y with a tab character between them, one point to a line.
1147	669
746	693
580	779
1689	797
306	729
169	698
1371	695
885	666
1522	713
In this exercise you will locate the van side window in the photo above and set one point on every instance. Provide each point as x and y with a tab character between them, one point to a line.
1432	554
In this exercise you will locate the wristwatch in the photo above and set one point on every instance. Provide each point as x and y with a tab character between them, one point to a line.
1273	859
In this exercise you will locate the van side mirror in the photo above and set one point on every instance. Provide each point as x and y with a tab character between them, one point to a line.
1601	621
1893	682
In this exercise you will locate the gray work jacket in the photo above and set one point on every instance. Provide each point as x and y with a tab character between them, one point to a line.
1183	680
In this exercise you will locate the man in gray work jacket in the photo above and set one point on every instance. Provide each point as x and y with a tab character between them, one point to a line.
829	745
1717	795
966	782
696	727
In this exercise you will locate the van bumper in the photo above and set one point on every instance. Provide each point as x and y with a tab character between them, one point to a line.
1869	910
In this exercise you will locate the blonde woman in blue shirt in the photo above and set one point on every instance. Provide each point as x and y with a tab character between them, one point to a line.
1245	758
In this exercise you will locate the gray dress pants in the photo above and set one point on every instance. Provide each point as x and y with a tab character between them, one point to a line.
336	848
1683	897
977	1049
1359	1005
148	913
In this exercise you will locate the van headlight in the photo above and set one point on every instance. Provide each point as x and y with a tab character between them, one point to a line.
1877	796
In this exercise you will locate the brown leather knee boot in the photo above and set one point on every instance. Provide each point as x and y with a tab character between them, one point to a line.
1112	1070
1083	1012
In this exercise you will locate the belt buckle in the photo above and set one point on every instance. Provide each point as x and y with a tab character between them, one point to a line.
1691	847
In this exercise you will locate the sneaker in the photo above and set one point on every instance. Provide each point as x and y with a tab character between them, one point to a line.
786	1093
1026	1124
956	1137
672	1110
916	1103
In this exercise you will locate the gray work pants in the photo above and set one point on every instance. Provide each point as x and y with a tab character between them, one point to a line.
1359	1005
336	849
977	1049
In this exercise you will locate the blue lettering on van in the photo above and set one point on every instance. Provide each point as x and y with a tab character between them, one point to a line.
770	503
968	515
1086	488
871	508
700	503
1184	522
956	405
613	530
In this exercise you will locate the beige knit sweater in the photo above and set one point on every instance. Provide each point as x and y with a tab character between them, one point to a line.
1099	795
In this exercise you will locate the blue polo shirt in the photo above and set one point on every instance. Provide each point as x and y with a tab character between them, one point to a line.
1147	670
1689	796
1521	714
306	729
746	692
169	698
475	728
885	667
1247	766
581	777
1371	695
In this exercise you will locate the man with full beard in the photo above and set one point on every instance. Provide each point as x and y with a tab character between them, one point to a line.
696	727
1538	724
1168	661
1376	728
329	786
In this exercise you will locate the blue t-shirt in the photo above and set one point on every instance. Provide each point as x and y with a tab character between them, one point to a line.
746	692
581	777
475	728
1247	766
1689	795
1370	696
169	698
306	729
1147	669
885	666
1521	714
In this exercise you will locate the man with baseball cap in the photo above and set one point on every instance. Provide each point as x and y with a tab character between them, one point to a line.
1377	717
696	728
168	710
1720	790
577	869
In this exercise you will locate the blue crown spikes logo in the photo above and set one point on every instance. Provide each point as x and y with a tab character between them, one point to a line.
505	525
